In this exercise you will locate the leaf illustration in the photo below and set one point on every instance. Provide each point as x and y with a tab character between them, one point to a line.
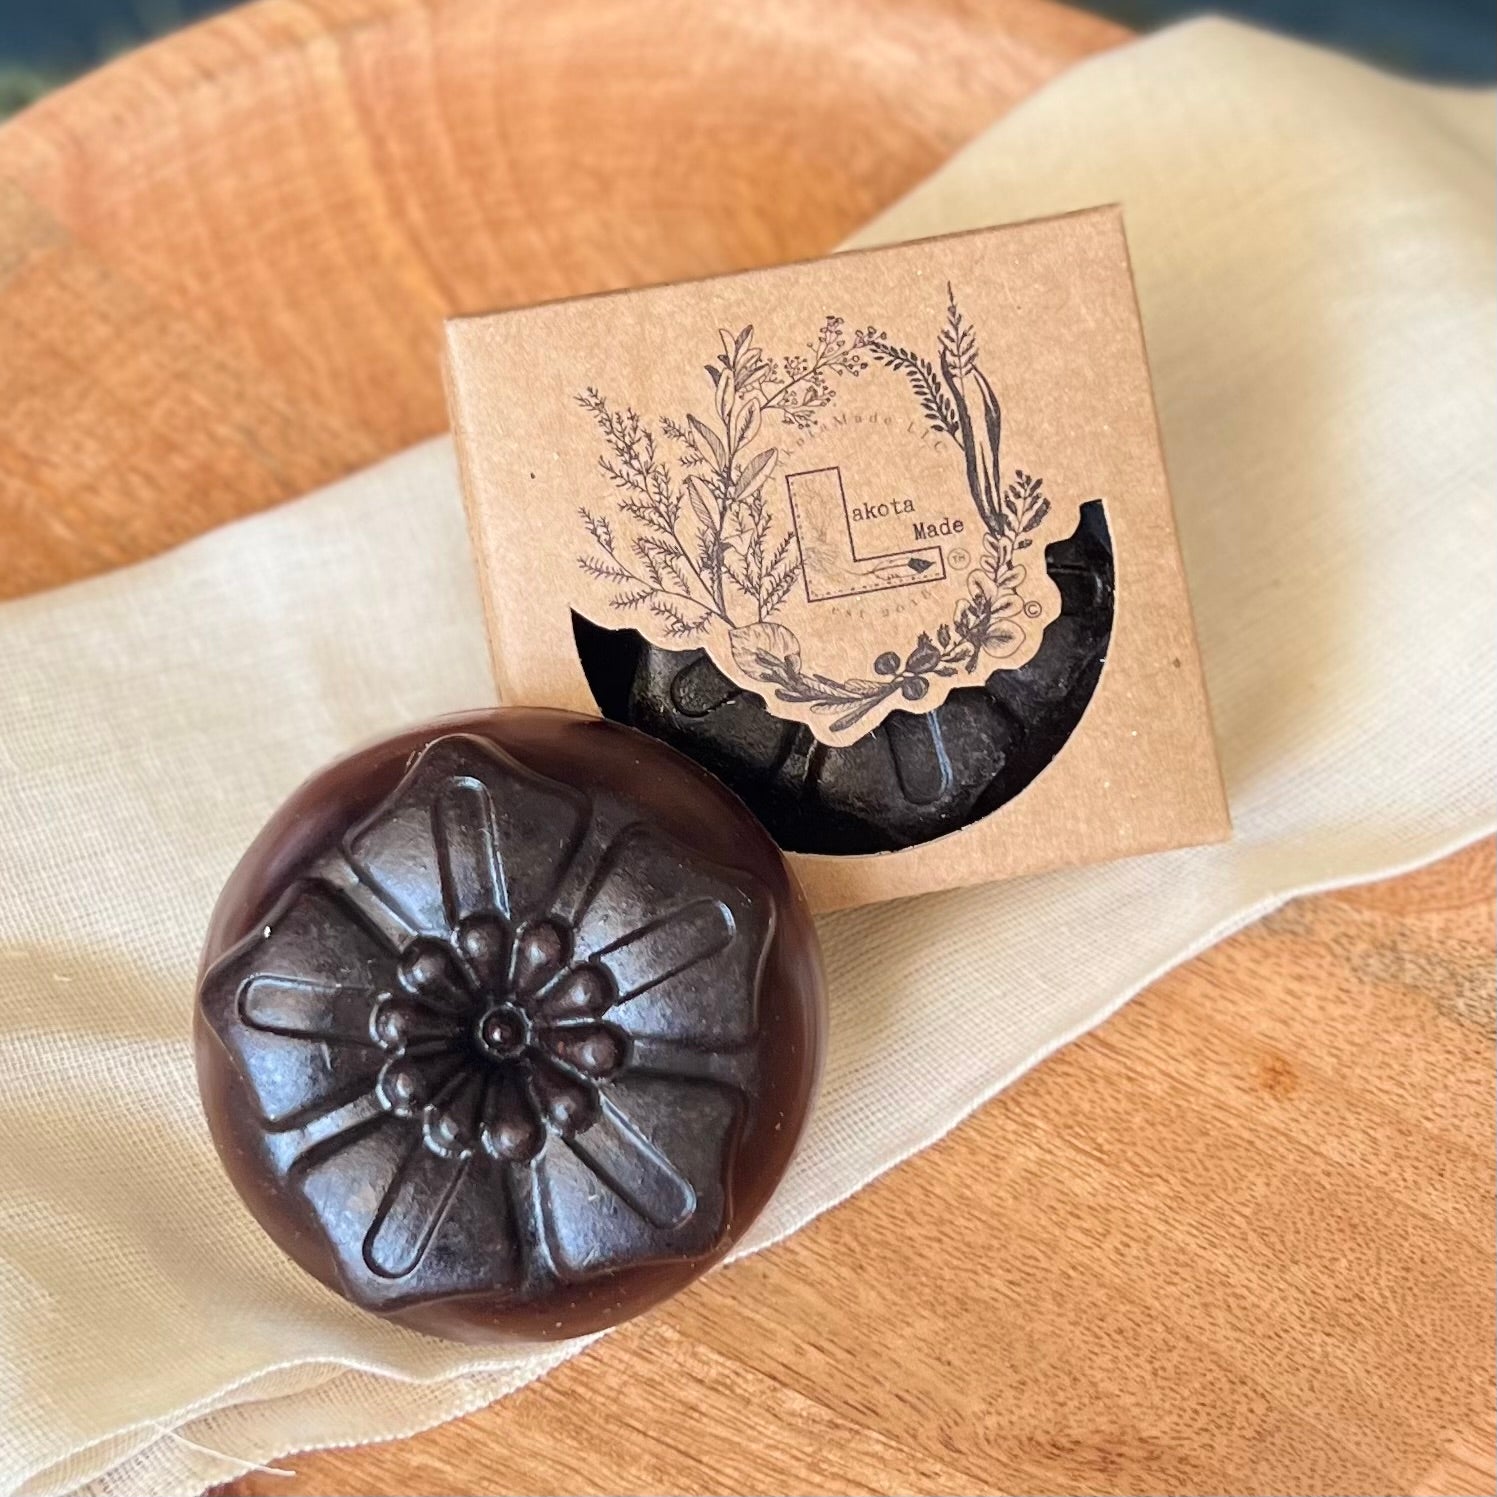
848	719
958	340
710	437
677	624
746	422
672	566
604	571
725	398
780	553
757	472
992	418
778	588
647	561
940	413
1003	639
765	651
598	527
699	506
740	531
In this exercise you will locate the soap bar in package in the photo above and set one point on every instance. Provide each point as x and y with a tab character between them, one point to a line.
884	541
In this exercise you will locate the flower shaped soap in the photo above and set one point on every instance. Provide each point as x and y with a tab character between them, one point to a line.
507	1028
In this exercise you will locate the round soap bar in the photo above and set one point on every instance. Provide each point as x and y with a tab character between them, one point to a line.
507	1027
917	775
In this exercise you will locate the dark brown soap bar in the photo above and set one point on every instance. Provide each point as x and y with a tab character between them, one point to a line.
916	776
508	1027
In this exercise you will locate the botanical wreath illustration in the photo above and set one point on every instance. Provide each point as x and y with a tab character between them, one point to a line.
700	546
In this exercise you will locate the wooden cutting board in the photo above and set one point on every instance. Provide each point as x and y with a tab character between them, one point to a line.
1241	1239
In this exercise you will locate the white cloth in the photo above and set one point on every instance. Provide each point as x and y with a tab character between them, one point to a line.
1314	248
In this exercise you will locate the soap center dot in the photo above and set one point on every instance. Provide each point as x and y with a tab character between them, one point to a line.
503	1032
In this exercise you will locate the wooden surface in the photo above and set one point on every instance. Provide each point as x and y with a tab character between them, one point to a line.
1239	1240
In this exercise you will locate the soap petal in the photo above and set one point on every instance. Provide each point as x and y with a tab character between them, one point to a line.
684	954
646	1181
293	1005
442	845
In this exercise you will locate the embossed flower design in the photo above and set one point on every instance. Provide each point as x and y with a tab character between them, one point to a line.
492	1040
502	1035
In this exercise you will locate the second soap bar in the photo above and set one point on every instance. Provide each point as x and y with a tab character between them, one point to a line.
918	775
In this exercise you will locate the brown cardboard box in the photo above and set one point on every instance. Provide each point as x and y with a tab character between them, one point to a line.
839	479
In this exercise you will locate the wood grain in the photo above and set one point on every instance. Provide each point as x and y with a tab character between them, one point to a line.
224	262
1241	1239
